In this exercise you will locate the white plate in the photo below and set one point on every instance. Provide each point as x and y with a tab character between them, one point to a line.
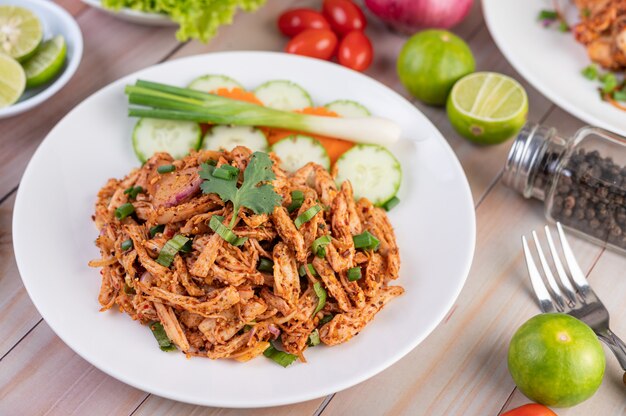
53	238
134	16
55	21
550	60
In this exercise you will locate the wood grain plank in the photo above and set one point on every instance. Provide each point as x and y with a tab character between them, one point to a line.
44	376
15	305
158	406
113	48
460	369
74	7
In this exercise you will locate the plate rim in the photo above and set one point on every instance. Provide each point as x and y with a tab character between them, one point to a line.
273	401
543	88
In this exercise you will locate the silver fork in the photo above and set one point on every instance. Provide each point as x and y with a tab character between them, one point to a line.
573	295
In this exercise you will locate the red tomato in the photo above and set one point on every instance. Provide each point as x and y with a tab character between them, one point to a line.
532	409
295	21
316	43
355	51
343	16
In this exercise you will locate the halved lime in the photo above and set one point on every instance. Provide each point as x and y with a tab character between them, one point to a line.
46	63
487	107
12	80
20	32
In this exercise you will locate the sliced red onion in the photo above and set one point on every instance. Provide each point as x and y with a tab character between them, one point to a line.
191	189
274	330
146	278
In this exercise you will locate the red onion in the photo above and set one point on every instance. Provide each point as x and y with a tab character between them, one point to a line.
409	16
274	330
189	190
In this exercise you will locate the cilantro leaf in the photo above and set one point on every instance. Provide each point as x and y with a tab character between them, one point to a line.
254	194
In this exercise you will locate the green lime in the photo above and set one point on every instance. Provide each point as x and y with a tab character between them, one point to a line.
20	32
487	107
556	360
431	61
46	63
12	80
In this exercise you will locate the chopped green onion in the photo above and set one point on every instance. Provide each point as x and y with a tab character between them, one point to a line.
129	290
586	12
127	244
265	265
354	274
297	198
548	15
563	26
366	241
590	72
226	233
312	270
211	162
169	250
619	95
391	203
318	246
302	270
247	327
609	82
321	297
156	229
307	215
159	333
326	319
226	171
124	211
187	247
166	169
133	191
279	357
314	338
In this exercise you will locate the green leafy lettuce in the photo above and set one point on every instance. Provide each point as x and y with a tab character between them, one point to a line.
198	19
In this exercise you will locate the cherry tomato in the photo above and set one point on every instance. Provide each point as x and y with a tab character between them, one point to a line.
343	16
295	21
532	409
316	43
355	51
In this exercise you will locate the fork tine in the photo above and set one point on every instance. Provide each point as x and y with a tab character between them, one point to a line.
558	295
543	296
567	285
574	268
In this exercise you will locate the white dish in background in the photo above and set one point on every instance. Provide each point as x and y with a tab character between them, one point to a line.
550	60
435	226
55	21
134	16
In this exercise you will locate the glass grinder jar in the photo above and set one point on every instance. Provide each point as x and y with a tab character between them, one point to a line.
581	179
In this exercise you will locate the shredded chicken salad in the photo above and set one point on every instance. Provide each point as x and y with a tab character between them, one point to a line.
226	255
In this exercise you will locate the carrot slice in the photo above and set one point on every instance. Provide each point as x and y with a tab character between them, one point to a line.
237	94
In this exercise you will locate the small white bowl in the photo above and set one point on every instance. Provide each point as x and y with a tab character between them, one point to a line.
55	21
134	16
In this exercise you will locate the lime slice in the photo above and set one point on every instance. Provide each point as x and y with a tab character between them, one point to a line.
20	32
12	80
487	107
46	63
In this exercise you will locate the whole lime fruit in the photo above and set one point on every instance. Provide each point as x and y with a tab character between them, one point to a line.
431	61
556	360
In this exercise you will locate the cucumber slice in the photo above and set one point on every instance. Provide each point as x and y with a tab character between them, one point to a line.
208	83
283	95
175	137
348	109
298	150
229	137
374	172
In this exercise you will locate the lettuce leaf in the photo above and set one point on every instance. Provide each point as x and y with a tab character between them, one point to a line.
197	19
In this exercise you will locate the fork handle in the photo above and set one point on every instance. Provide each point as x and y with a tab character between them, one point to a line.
617	346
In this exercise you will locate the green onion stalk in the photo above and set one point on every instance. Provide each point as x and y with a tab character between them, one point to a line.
173	103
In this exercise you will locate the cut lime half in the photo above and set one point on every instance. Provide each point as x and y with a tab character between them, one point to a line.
12	80
487	107
20	32
46	63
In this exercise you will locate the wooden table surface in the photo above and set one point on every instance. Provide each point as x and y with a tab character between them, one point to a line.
460	369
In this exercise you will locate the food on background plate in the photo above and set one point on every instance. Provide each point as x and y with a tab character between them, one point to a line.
431	61
26	61
337	31
531	409
487	107
222	252
556	360
197	19
409	16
